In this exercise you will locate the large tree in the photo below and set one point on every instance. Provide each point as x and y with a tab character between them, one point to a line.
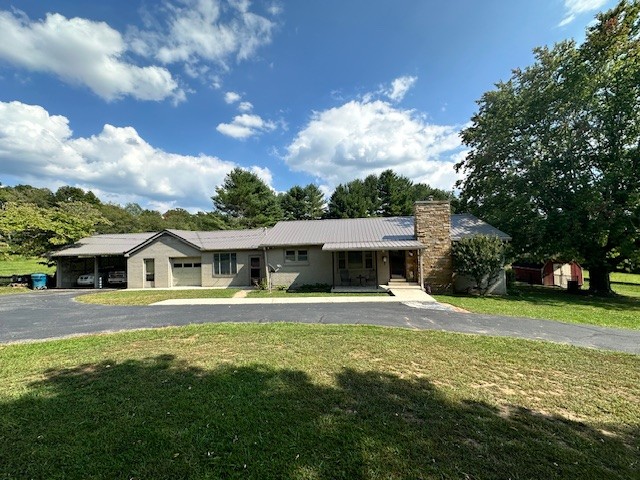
554	152
302	203
246	201
31	230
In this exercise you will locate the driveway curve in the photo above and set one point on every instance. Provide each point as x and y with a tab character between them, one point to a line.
54	314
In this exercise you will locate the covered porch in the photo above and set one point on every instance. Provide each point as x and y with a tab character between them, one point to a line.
365	267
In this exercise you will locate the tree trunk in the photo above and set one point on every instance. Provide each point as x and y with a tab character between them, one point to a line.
599	283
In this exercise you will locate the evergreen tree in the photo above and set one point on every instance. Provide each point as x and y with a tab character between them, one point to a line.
245	201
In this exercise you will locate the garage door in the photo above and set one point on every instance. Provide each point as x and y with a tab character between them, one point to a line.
187	272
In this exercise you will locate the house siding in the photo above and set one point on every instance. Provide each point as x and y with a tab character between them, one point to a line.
317	270
162	250
240	279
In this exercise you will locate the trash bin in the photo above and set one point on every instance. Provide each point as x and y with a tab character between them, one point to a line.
39	281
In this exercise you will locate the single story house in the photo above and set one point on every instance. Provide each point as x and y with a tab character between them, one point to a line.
552	273
338	252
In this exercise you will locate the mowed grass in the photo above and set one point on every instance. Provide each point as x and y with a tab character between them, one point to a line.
622	311
13	290
147	297
15	265
315	402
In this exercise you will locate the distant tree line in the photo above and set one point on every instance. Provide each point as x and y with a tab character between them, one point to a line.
36	220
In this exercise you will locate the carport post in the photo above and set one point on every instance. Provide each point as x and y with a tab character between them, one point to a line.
95	272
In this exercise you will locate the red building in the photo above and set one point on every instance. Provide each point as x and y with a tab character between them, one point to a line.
552	273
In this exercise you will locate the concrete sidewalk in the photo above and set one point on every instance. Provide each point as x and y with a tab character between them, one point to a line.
398	296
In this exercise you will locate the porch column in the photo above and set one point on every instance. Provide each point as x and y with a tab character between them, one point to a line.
420	274
333	269
96	273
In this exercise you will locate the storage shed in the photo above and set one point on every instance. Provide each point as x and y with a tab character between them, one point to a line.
552	273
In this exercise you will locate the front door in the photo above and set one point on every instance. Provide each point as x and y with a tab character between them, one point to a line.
397	263
255	270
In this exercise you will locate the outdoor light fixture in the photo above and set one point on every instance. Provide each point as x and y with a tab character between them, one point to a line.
384	259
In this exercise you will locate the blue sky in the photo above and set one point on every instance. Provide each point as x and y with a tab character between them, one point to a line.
155	102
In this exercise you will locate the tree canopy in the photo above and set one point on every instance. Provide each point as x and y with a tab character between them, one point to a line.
387	195
554	151
302	203
245	201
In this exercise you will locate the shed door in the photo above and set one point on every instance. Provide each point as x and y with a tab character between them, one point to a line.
187	272
561	274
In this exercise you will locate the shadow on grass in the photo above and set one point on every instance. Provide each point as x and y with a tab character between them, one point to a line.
560	298
161	418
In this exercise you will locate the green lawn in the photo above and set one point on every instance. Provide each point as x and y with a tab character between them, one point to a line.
22	266
147	297
315	402
13	290
556	304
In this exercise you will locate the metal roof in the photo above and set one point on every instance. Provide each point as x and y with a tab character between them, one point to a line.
378	233
388	245
105	244
464	225
381	230
223	239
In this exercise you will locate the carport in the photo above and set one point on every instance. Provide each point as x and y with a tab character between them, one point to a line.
95	255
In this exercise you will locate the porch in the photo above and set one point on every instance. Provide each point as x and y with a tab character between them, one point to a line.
357	270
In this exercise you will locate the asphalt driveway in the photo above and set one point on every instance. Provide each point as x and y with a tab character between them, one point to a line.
55	314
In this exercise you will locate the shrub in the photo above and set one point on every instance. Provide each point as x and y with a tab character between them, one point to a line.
481	258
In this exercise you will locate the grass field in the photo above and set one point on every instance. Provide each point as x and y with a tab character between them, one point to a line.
315	402
555	304
622	311
147	297
23	266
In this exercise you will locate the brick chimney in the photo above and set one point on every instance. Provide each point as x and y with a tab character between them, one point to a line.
433	229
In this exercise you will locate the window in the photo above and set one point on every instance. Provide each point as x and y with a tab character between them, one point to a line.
177	265
355	260
296	256
149	269
224	264
342	260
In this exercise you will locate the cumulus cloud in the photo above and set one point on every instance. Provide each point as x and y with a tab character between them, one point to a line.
245	106
84	52
39	148
231	97
245	126
205	30
576	7
399	88
364	137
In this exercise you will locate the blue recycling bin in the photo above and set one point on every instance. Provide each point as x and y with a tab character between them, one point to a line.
38	281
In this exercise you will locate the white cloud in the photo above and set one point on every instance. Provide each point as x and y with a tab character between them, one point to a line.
84	52
39	148
245	126
360	138
576	7
205	30
245	106
231	97
399	88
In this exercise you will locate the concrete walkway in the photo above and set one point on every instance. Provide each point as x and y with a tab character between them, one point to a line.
401	295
